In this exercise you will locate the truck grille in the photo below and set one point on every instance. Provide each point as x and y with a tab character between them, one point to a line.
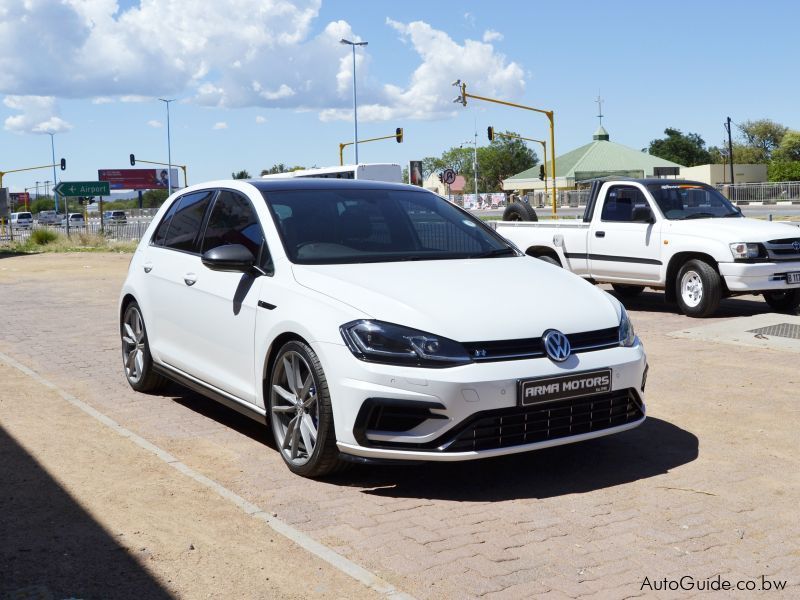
784	249
516	426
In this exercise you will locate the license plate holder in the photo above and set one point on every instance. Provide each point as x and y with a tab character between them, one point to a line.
563	387
792	278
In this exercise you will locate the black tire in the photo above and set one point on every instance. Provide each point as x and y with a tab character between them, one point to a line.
698	288
324	457
137	363
784	301
519	211
549	259
627	291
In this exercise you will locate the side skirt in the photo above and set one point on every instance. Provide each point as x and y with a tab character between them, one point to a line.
232	402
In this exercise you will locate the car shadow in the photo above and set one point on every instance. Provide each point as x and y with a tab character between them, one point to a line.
654	302
652	449
223	415
51	547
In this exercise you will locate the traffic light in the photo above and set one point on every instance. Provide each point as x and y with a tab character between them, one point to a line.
441	178
133	160
63	164
398	135
85	200
541	172
490	133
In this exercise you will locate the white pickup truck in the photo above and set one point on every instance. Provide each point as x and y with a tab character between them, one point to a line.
680	236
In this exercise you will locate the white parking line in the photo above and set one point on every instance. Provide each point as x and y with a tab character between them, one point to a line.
303	540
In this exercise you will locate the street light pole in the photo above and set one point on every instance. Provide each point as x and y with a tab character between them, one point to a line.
355	101
169	147
55	181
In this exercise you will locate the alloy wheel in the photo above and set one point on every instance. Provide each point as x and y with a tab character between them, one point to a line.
295	408
133	345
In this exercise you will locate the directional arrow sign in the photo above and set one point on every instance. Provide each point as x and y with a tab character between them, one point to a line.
83	188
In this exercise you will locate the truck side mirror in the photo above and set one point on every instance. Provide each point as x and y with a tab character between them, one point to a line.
642	214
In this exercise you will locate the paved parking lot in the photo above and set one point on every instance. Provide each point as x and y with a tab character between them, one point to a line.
707	487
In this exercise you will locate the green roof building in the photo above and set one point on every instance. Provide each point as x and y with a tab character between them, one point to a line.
600	158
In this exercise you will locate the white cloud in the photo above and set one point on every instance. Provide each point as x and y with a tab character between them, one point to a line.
260	120
38	114
247	53
490	35
155	123
220	125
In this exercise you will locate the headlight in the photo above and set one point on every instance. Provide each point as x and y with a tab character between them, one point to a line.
627	336
376	341
742	250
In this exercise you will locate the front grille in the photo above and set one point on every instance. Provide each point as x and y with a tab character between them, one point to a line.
586	341
518	425
782	249
553	420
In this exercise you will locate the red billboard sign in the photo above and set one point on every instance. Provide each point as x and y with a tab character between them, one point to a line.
137	179
20	199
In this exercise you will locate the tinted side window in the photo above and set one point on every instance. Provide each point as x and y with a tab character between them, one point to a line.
184	226
161	231
233	220
620	202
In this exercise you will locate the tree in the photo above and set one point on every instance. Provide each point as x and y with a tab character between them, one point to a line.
783	171
763	135
501	159
685	149
153	198
280	168
240	175
789	150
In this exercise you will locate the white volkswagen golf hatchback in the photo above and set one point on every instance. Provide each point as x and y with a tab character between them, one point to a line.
366	321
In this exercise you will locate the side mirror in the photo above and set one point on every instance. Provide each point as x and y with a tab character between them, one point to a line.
233	257
642	214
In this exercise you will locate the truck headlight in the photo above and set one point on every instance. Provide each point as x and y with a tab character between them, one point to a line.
627	336
377	341
743	250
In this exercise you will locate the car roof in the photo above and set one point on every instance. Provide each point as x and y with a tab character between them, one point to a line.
326	183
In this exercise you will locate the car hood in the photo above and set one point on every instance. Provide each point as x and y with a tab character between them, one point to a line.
467	300
735	230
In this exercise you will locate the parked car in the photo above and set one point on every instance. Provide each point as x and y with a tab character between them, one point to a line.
21	220
342	313
115	217
680	236
75	220
48	217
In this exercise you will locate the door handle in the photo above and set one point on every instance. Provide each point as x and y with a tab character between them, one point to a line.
190	279
599	234
148	266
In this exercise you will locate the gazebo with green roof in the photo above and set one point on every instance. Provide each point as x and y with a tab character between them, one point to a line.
599	158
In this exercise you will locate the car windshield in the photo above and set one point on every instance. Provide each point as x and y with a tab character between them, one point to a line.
682	201
377	225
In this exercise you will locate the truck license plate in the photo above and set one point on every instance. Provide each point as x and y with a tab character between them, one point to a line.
564	387
793	277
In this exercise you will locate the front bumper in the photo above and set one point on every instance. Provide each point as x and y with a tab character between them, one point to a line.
473	410
758	277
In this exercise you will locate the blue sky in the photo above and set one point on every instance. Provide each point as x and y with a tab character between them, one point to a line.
267	82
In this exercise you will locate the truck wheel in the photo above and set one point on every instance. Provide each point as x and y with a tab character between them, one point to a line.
519	211
699	289
627	291
784	300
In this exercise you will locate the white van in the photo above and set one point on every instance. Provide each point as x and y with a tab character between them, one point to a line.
21	220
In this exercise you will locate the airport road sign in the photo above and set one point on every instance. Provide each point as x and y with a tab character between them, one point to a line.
83	188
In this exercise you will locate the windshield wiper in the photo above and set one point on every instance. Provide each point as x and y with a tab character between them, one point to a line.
495	252
700	215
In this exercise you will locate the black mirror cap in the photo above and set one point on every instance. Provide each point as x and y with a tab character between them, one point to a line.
232	257
642	214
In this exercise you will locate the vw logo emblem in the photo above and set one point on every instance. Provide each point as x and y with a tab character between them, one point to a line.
796	245
556	345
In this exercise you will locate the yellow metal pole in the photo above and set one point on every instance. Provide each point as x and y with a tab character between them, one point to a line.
341	154
343	145
553	158
185	178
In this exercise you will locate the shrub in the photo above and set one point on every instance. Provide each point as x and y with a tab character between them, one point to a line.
42	237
